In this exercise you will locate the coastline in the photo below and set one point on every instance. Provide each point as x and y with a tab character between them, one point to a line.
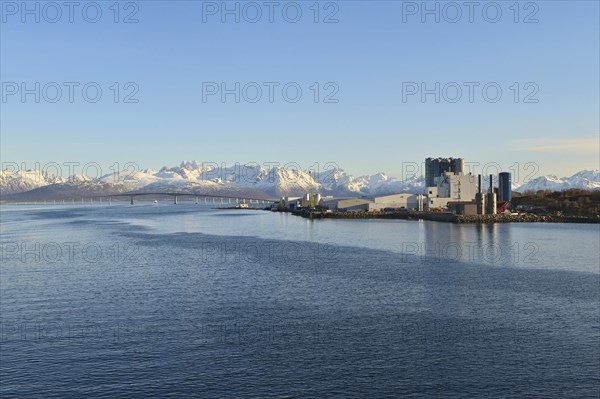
449	217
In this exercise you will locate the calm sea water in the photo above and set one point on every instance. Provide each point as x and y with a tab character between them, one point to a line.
183	301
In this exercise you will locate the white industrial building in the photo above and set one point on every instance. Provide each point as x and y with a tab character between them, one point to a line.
348	204
398	201
451	187
392	201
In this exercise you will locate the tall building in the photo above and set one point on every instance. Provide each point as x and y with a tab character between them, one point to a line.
435	167
504	187
451	187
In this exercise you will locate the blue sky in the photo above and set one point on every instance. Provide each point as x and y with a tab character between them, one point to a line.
374	53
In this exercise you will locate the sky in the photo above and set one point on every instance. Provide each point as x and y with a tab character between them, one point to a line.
370	86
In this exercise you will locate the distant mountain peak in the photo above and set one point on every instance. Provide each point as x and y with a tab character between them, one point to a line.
585	179
278	181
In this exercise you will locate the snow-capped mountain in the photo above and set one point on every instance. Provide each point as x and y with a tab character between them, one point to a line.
244	180
586	180
16	182
338	183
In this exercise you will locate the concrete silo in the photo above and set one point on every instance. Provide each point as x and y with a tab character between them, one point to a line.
504	187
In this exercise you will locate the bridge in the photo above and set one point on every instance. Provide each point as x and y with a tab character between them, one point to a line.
223	199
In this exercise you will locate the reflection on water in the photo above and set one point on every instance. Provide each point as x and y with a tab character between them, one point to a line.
153	301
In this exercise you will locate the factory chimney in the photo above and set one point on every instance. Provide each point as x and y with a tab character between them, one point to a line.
480	197
491	198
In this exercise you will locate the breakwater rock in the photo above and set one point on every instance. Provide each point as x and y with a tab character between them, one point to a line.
450	218
524	218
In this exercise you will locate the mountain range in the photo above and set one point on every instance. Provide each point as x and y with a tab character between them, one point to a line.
244	180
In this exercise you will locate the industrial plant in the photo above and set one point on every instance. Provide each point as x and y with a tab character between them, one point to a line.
448	189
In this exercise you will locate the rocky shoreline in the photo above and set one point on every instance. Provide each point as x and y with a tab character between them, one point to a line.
524	218
450	218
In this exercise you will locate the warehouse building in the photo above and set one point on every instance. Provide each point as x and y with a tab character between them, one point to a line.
353	205
347	204
398	201
392	202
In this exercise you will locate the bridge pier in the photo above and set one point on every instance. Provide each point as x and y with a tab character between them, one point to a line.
175	201
132	200
196	200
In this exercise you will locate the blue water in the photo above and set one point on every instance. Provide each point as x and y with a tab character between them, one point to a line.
183	301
